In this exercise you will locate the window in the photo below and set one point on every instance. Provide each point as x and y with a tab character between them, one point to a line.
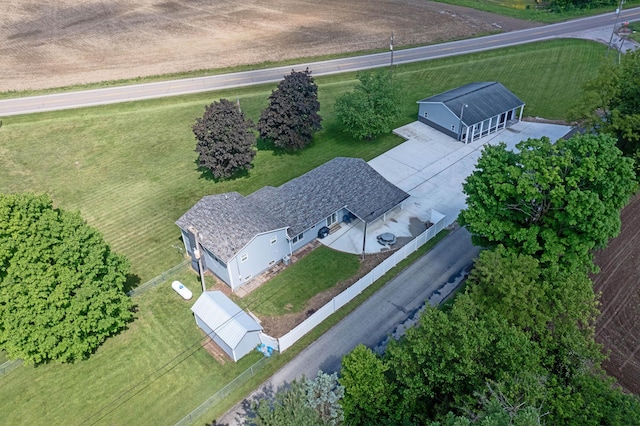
273	240
244	257
297	238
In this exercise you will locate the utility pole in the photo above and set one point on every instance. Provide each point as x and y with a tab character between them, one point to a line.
198	255
391	49
613	31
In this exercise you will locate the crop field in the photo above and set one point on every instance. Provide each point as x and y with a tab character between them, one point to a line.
618	327
69	42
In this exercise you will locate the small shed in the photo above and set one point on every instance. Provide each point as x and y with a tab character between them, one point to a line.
471	111
226	324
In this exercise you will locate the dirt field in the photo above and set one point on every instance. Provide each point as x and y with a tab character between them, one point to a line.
618	327
69	42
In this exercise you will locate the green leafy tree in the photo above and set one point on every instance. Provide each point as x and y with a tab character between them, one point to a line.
611	102
225	139
555	202
291	117
369	395
555	307
373	107
61	287
440	363
305	402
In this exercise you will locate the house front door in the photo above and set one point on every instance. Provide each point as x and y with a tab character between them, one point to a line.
332	219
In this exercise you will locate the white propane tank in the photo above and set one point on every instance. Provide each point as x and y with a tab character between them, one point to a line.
181	290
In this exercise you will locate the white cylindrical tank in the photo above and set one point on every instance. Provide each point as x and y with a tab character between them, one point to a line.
181	290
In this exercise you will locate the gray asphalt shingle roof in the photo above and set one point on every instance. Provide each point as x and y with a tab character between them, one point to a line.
342	182
227	222
483	99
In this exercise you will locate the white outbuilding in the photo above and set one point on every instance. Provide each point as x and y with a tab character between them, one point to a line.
471	111
231	328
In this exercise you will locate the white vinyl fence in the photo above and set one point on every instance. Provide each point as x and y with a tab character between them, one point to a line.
439	223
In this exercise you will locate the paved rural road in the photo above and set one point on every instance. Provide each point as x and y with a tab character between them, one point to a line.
202	84
378	317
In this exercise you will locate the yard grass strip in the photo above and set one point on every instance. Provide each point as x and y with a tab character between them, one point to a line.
290	290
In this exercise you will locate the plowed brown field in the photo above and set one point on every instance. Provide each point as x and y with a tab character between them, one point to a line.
64	42
618	327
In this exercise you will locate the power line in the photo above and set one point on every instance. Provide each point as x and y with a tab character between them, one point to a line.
150	375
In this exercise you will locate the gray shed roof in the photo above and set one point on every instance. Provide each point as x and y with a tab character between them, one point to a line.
483	99
224	317
227	222
341	182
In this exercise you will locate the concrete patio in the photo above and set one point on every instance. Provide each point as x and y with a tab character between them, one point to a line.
431	167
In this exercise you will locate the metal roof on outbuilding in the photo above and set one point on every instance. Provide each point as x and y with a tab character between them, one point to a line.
483	100
224	317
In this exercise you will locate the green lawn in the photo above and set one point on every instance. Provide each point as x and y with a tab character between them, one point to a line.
153	373
130	168
526	9
635	28
290	290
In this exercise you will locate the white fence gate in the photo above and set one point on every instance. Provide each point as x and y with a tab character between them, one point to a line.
439	223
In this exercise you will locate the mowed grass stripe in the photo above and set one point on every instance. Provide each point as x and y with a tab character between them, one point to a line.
130	168
137	176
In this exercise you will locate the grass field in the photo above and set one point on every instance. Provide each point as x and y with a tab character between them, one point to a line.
130	168
151	372
526	9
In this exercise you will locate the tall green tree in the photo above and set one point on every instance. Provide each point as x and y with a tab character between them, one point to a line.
291	117
555	202
556	307
225	139
369	394
61	286
373	107
611	102
441	362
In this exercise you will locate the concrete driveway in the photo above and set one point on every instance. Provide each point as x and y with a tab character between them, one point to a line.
432	166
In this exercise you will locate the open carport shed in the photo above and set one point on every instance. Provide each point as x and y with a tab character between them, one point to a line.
472	111
229	327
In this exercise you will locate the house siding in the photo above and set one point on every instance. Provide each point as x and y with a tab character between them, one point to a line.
439	117
218	268
208	260
260	255
226	348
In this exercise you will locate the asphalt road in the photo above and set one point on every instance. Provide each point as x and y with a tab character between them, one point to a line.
387	310
202	84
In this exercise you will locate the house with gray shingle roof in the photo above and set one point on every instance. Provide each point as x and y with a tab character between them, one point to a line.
237	237
471	111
